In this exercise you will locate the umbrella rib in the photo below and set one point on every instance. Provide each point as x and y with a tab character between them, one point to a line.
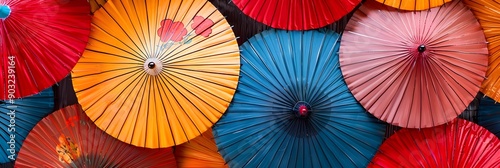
175	56
101	82
274	62
137	57
141	87
338	138
192	84
140	53
214	55
280	95
158	82
332	56
128	15
191	102
171	53
273	139
103	72
165	80
137	53
442	75
109	92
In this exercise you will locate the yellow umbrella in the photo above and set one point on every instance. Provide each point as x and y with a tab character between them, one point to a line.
488	12
157	73
414	5
200	152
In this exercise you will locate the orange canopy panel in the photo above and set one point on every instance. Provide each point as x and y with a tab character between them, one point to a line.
414	5
96	4
488	14
157	73
200	152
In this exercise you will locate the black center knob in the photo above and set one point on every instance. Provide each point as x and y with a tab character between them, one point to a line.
151	65
421	48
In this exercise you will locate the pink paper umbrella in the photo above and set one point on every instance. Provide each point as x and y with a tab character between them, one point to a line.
458	144
414	69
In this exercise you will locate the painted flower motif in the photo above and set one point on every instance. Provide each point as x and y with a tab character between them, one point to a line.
67	150
202	26
70	122
171	31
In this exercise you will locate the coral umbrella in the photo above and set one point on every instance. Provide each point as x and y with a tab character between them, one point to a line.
157	73
488	115
414	69
414	5
18	117
68	138
200	152
488	12
292	107
40	42
458	144
296	14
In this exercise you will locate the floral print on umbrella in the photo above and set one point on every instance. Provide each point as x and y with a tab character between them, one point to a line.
67	150
174	32
202	26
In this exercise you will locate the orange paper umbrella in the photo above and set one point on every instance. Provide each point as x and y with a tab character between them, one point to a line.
200	152
413	5
458	144
488	14
68	138
414	69
157	73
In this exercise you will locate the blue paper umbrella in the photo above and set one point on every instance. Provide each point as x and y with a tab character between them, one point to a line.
292	107
18	117
488	115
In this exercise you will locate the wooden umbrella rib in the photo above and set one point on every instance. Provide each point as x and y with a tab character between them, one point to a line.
166	81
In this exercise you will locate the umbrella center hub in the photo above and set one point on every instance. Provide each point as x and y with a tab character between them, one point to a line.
421	48
4	11
302	109
153	66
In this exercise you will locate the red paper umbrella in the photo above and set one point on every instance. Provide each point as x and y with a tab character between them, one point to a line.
296	14
459	144
414	69
68	138
40	42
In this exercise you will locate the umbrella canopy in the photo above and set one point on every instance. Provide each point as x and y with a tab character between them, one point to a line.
68	138
96	4
414	5
414	69
18	117
488	115
296	14
157	73
487	12
200	152
292	107
458	144
40	42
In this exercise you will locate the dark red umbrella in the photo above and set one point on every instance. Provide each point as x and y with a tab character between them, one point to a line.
296	14
40	42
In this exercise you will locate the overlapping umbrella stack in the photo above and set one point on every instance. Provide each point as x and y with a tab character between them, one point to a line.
337	83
